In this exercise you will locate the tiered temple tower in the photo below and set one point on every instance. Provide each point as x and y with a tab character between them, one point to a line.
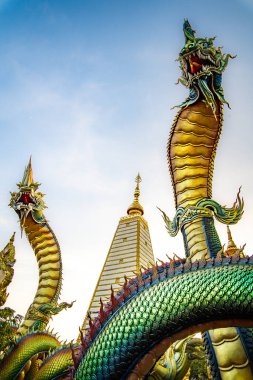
130	249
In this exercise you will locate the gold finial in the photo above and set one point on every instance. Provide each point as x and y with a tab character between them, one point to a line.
136	208
231	247
231	243
137	189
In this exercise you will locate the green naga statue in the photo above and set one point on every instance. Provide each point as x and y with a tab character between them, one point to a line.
169	302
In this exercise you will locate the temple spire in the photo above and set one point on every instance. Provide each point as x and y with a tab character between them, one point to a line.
130	250
231	247
135	208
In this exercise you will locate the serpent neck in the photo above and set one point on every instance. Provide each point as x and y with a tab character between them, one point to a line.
48	256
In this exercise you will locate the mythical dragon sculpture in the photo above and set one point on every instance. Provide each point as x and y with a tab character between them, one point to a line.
31	346
191	151
165	303
7	260
29	205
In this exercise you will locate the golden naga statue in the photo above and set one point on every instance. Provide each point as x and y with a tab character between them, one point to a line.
146	329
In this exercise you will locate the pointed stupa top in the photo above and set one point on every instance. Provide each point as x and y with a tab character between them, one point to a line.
231	247
28	181
136	208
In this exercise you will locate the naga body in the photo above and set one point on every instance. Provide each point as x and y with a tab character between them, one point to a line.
31	346
161	306
191	151
192	147
165	303
29	205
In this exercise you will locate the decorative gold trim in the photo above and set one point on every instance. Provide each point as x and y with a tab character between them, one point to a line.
234	366
138	248
133	217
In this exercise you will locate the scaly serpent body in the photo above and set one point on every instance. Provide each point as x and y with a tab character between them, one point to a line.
169	303
28	347
29	204
48	255
191	151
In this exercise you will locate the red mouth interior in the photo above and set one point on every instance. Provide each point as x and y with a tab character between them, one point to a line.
26	199
195	64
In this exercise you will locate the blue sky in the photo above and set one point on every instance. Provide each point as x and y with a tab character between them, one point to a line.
86	88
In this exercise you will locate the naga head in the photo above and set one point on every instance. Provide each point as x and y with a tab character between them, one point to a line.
202	65
28	200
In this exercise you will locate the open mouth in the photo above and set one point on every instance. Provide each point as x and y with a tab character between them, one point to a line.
196	64
25	198
24	201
